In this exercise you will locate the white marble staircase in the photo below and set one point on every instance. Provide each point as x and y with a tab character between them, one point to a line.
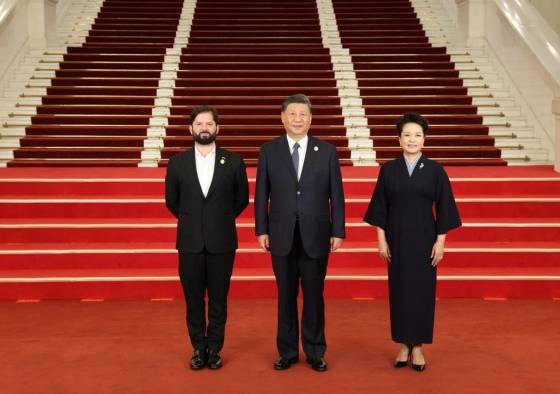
491	92
28	83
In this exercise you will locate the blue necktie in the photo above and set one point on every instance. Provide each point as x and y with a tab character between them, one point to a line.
295	158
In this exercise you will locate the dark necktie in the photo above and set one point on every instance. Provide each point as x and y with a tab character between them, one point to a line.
295	158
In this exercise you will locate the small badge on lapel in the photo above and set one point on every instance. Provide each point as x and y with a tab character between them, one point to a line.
316	148
421	165
222	160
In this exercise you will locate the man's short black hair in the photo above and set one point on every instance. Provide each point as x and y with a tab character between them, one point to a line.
412	117
205	108
297	99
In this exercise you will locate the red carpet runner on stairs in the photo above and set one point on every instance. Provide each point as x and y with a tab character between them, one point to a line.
105	233
245	57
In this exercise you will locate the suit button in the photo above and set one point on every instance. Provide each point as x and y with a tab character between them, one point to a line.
298	192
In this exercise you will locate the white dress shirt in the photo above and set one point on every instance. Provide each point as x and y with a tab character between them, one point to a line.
301	151
205	168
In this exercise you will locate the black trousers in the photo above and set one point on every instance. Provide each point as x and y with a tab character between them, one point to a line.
289	270
201	274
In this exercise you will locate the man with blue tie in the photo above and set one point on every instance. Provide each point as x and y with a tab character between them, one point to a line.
299	218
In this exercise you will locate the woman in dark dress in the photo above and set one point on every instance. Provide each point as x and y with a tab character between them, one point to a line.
410	238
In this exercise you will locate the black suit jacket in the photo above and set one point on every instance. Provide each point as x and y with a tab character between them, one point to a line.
206	221
316	201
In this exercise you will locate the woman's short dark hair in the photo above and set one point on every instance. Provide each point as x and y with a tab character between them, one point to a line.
204	108
297	99
412	117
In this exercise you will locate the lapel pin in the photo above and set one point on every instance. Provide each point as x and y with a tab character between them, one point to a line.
421	165
316	148
223	160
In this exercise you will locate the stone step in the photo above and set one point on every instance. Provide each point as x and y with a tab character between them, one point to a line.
29	101
34	92
17	121
481	83
360	143
485	92
492	101
527	155
13	131
518	143
39	83
471	74
518	132
24	111
43	75
9	143
497	111
6	154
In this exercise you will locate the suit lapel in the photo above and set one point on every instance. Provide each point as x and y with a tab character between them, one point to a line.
191	169
220	163
311	154
286	156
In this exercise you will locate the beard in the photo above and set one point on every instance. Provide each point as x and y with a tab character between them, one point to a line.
204	137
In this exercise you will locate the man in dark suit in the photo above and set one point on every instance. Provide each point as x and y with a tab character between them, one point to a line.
206	188
299	217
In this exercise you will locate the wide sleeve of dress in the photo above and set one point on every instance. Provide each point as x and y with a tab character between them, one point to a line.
378	208
447	214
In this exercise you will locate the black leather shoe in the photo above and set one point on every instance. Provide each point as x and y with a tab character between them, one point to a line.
284	363
416	367
214	360
402	364
198	359
317	364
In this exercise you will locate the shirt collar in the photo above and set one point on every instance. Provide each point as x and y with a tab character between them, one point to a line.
302	143
210	154
412	163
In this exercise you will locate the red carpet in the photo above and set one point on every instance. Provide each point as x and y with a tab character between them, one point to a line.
141	347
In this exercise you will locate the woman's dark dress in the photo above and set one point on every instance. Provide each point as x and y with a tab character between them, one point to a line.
403	206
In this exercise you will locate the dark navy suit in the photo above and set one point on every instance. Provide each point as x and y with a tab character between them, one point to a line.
300	218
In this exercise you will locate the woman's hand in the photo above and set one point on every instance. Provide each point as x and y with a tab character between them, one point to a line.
383	246
384	251
438	249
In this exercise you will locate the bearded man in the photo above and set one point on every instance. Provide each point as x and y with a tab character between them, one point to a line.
206	188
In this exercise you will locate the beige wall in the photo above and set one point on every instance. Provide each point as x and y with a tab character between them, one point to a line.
550	10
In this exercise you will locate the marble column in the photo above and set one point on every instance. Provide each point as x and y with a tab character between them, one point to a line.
471	20
556	112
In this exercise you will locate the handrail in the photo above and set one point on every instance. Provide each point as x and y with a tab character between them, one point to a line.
535	32
6	6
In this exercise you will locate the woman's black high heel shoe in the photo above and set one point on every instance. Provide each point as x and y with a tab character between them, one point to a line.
402	364
416	367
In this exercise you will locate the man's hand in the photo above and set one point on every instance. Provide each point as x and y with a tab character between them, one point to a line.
264	243
335	243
